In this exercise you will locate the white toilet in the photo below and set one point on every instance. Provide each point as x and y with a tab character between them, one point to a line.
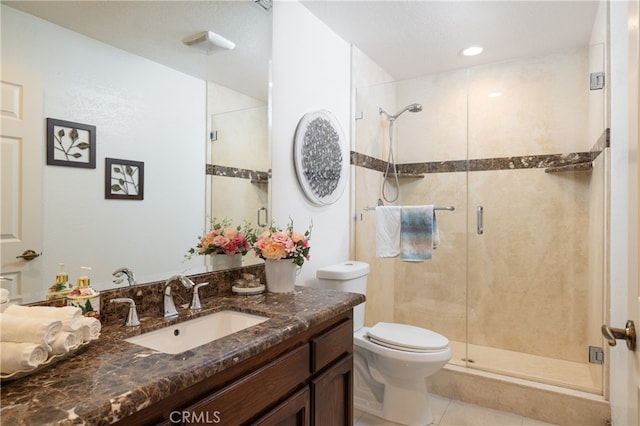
391	361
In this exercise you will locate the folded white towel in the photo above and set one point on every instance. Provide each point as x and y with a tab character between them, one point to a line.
388	231
21	356
90	328
65	341
418	233
25	329
70	316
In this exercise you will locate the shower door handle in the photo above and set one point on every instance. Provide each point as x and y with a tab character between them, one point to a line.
266	214
480	220
628	334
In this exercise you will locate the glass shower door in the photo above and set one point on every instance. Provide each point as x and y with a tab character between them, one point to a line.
430	149
535	219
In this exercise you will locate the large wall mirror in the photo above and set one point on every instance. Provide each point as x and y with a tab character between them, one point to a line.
196	118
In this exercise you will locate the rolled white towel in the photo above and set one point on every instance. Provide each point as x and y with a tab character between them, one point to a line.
90	328
70	316
24	329
21	356
65	341
79	333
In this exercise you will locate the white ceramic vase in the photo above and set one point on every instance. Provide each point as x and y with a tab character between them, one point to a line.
220	262
280	274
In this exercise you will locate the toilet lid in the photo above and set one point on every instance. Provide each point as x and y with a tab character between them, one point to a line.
407	337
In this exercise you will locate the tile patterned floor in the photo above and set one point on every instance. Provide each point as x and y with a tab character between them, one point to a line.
449	412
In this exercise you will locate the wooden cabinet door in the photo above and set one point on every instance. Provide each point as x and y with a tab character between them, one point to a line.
295	411
332	395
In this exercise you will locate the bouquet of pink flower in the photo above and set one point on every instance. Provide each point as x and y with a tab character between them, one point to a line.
276	243
224	239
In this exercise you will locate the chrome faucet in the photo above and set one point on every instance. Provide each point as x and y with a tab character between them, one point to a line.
169	306
195	300
132	316
131	278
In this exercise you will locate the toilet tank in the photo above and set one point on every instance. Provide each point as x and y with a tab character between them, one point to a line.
350	276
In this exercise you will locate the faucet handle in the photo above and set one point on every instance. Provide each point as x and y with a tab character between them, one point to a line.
132	317
195	300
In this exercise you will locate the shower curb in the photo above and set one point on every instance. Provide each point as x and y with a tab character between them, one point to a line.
547	403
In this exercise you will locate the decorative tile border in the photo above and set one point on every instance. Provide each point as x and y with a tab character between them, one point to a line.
604	141
235	172
571	161
475	165
363	160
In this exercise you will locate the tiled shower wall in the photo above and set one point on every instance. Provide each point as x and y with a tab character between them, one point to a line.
533	280
238	181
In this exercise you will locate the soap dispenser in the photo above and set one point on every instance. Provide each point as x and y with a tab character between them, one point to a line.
85	297
62	286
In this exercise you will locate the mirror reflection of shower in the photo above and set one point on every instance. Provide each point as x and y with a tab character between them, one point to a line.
391	162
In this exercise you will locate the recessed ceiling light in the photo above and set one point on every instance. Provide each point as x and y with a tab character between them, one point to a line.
471	51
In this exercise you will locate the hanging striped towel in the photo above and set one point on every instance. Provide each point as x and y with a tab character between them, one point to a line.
418	233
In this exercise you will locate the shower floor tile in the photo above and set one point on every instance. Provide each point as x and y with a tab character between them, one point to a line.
574	375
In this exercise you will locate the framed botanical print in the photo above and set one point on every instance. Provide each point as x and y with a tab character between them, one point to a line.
71	144
124	179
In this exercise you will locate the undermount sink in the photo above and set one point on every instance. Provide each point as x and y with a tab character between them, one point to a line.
187	335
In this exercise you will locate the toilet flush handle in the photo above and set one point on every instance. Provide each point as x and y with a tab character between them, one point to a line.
628	334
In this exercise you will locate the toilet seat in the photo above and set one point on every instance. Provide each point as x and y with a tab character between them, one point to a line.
408	338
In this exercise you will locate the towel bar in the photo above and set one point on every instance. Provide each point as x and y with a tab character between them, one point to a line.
448	208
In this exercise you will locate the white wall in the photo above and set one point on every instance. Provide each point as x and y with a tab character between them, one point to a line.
311	71
143	112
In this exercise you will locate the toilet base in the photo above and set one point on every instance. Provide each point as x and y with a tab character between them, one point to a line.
403	406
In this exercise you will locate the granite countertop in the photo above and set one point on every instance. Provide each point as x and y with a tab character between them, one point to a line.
111	379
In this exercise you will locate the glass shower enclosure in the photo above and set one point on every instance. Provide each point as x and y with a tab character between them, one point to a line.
519	149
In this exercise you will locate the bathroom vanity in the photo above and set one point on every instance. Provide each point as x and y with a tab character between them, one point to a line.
304	380
294	368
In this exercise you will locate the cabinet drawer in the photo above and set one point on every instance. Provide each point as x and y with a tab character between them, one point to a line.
331	345
243	399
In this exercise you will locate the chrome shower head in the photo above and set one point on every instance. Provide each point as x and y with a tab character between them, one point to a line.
410	108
